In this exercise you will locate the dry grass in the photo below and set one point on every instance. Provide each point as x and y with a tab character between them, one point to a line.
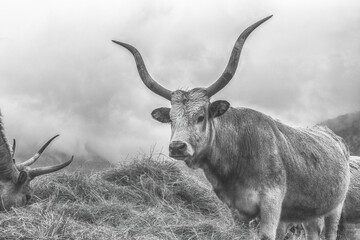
147	199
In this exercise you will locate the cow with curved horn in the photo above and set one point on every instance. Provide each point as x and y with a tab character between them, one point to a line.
15	178
257	165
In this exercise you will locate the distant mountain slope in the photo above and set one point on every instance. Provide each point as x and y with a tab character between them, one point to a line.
348	127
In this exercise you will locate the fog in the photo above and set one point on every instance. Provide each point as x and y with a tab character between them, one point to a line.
60	72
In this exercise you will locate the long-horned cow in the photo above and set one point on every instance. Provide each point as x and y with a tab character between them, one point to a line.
15	190
256	165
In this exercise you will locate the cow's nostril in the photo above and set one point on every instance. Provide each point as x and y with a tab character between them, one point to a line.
177	147
182	146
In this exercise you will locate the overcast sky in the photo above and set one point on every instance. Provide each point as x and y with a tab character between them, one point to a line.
60	72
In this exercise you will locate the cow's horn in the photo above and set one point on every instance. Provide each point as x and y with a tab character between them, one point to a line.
234	60
37	155
45	170
145	76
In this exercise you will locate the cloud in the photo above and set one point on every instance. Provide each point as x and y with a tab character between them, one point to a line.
60	73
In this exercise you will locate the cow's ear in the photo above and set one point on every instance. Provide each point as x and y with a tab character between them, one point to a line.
218	108
161	114
23	176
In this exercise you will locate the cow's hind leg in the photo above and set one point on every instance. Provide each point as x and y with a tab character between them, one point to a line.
331	223
270	210
313	228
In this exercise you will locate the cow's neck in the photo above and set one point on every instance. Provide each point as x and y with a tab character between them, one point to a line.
228	164
229	151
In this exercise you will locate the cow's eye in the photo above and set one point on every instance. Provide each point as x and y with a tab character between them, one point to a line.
200	119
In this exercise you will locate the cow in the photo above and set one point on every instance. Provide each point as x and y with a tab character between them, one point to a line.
15	189
258	166
350	212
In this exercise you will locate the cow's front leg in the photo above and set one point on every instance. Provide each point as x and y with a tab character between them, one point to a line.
270	210
282	230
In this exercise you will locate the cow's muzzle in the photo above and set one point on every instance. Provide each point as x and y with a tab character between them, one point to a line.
178	150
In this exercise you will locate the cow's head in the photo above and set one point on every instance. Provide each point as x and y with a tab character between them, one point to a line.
15	178
191	114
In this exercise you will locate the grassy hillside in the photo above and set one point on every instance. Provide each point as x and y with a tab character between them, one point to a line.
348	127
147	199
